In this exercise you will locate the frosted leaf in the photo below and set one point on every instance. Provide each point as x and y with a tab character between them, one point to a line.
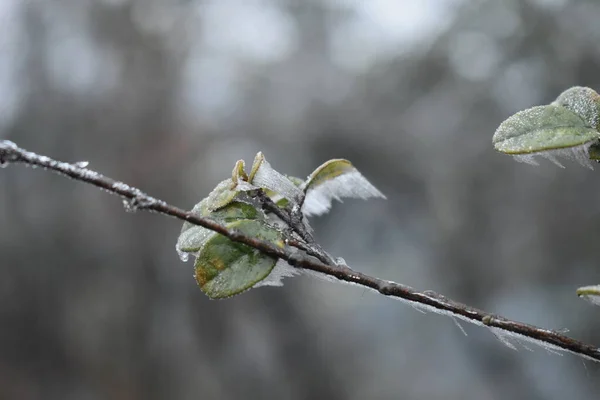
224	268
191	240
244	186
584	102
281	270
335	179
82	164
543	128
590	293
264	176
239	172
192	237
223	194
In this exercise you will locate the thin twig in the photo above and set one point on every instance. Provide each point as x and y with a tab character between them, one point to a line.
307	242
431	301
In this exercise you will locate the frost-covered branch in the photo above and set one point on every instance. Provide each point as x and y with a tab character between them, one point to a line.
508	331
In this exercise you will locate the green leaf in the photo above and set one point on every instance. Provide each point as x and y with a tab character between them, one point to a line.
584	102
590	293
543	128
327	171
280	200
264	176
335	179
239	172
222	195
569	127
225	268
193	237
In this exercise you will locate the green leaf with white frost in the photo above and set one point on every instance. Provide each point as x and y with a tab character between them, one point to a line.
225	268
566	128
590	293
264	176
335	179
193	237
542	128
222	195
584	102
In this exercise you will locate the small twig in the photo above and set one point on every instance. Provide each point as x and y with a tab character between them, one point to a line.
552	340
307	244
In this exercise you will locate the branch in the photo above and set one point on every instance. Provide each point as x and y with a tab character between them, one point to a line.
134	199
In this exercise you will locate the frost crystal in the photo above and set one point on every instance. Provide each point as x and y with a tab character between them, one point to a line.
130	205
281	270
503	337
266	177
8	144
193	239
82	164
183	256
459	326
580	154
351	184
508	338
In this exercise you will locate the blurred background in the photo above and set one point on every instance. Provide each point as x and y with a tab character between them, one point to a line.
167	94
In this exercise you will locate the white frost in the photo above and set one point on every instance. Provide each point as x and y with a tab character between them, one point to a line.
508	337
266	177
82	164
580	154
351	184
183	256
459	326
281	270
503	337
8	144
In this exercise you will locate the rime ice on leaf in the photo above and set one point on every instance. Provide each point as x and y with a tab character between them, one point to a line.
225	268
222	195
542	128
581	154
590	293
584	102
281	270
335	179
193	237
567	128
264	176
